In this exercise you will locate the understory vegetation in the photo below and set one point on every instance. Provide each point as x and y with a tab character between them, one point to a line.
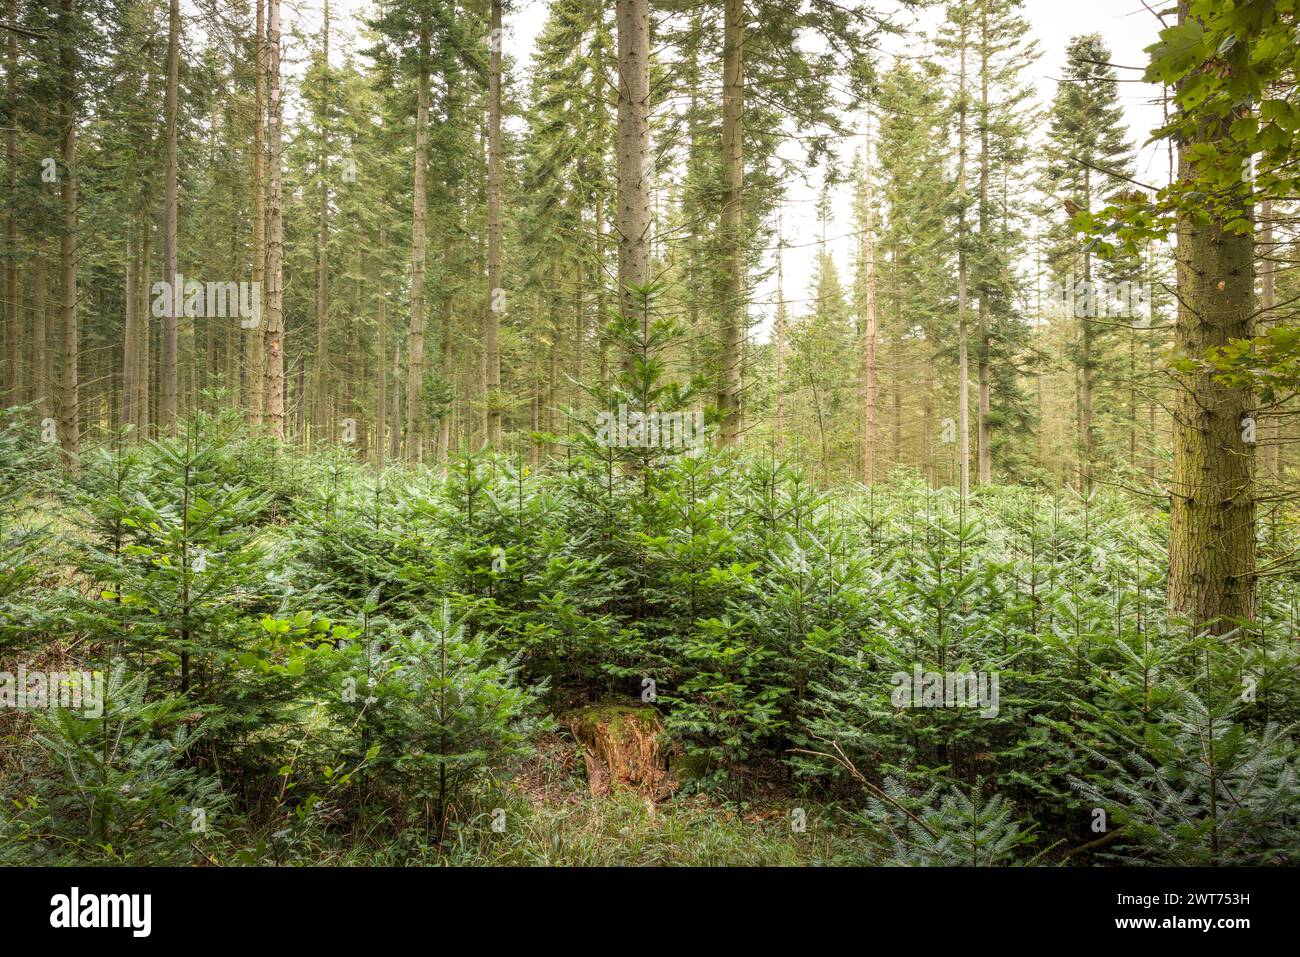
308	660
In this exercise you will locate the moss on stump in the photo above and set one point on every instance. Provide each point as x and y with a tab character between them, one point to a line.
621	747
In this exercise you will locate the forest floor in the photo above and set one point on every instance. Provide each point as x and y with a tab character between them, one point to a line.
551	818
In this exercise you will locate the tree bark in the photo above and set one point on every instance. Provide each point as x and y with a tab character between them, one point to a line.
69	424
963	345
732	220
496	295
255	338
1212	508
419	213
320	373
867	469
985	473
275	229
633	211
170	267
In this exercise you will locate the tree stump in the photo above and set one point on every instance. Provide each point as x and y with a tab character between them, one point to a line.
620	746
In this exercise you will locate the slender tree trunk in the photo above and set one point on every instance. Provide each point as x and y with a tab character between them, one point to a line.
275	228
963	346
982	370
395	438
144	330
41	339
170	267
778	347
733	217
11	222
633	211
381	406
496	295
69	394
867	471
129	338
255	337
1086	433
1270	448
415	361
320	369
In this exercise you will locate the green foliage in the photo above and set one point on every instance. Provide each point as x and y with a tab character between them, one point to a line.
771	620
115	788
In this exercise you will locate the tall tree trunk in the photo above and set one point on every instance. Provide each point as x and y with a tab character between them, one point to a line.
129	338
320	370
41	338
255	337
275	228
982	358
1086	433
1212	508
395	438
11	222
419	212
144	331
778	346
963	345
170	267
633	213
1270	448
69	394
496	295
381	406
867	469
733	217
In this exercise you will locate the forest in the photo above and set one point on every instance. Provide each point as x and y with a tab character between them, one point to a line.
655	432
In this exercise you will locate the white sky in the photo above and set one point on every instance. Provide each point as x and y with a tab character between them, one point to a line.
1126	25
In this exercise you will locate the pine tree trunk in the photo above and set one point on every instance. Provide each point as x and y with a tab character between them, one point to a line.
419	213
1085	360
275	229
1212	508
255	337
320	369
868	359
170	267
13	348
732	219
778	349
633	211
1270	438
129	338
985	474
69	394
963	345
41	339
381	404
144	331
496	295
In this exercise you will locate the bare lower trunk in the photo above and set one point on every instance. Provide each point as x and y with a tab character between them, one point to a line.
496	295
1212	508
632	219
170	268
732	220
69	395
255	336
415	371
275	224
